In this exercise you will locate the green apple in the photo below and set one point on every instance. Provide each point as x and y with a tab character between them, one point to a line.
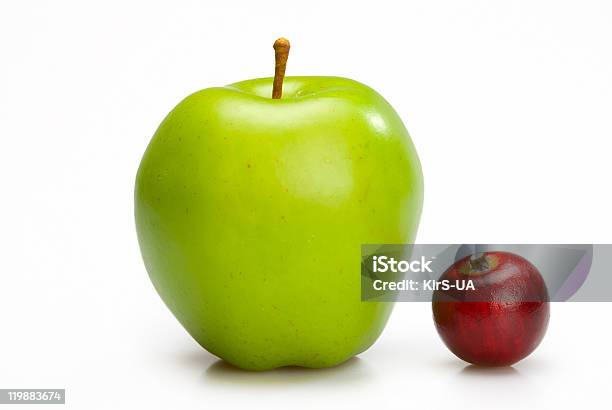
250	213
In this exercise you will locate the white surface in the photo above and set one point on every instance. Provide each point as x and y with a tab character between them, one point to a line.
508	104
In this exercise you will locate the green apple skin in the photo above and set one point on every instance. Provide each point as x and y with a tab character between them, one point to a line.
251	213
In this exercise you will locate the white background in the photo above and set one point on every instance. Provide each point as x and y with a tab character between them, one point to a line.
509	104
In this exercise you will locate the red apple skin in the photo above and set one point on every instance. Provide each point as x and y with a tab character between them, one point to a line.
503	320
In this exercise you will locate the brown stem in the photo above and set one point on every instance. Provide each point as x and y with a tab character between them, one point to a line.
479	262
281	53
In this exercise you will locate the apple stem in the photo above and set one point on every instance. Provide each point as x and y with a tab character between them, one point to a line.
479	262
281	54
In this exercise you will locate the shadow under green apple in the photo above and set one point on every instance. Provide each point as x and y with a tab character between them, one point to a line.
349	372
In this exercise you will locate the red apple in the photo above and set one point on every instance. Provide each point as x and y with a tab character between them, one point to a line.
499	322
